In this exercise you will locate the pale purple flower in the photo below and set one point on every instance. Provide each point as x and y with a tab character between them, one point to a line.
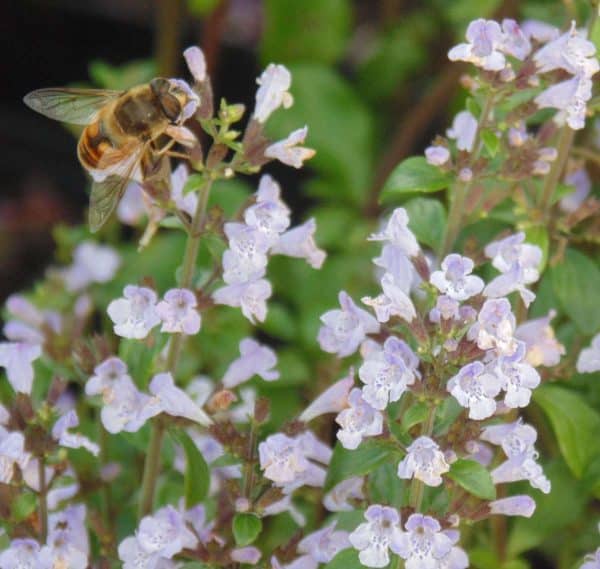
357	421
582	185
196	62
570	98
132	206
463	130
485	41
21	554
589	358
68	543
495	327
135	314
456	558
106	375
60	433
300	242
522	467
446	308
246	258
285	505
288	151
515	41
165	533
542	346
424	461
282	459
255	359
58	494
394	301
394	260
540	31
338	498
4	415
455	279
251	297
465	175
269	214
92	263
592	560
571	52
12	451
344	329
249	555
517	135
480	452
184	202
424	543
17	358
388	372
514	438
513	506
475	388
437	155
19	307
332	400
510	251
517	377
323	545
178	312
377	535
134	556
273	91
175	401
397	233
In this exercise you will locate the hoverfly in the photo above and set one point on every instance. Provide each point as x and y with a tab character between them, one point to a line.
122	128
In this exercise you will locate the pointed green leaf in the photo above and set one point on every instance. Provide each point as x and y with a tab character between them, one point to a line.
414	175
197	473
474	478
246	528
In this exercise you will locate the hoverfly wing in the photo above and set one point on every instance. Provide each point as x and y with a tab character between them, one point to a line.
76	106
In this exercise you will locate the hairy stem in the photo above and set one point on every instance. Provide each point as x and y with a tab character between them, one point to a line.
565	140
461	189
43	499
152	463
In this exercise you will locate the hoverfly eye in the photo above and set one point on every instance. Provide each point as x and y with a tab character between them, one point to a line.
170	106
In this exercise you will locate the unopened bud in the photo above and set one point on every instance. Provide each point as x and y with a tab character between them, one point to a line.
221	401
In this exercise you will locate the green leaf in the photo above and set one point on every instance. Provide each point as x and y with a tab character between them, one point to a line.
23	506
246	528
341	130
367	457
538	235
414	175
490	141
427	220
311	30
193	183
414	415
386	488
202	7
345	559
575	424
474	478
197	473
576	282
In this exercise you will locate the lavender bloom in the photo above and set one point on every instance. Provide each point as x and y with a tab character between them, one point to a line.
388	372
542	346
12	451
134	556
135	314
282	458
332	400
424	461
397	233
445	308
589	358
60	432
570	98
323	545
485	40
174	401
592	561
178	312
196	63
359	420
437	155
463	130
17	359
133	205
513	506
255	359
288	151
343	330
455	279
250	296
269	214
92	263
582	185
250	555
518	377
393	260
522	467
514	438
338	498
165	533
300	242
273	91
423	544
540	31
475	388
516	42
21	554
246	258
106	375
495	327
67	544
377	535
184	202
394	301
479	452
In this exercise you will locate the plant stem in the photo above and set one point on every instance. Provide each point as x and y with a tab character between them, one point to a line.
43	500
565	140
152	463
461	189
417	487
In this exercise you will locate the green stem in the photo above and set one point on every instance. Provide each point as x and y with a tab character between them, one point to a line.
152	463
417	487
565	140
461	189
43	500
